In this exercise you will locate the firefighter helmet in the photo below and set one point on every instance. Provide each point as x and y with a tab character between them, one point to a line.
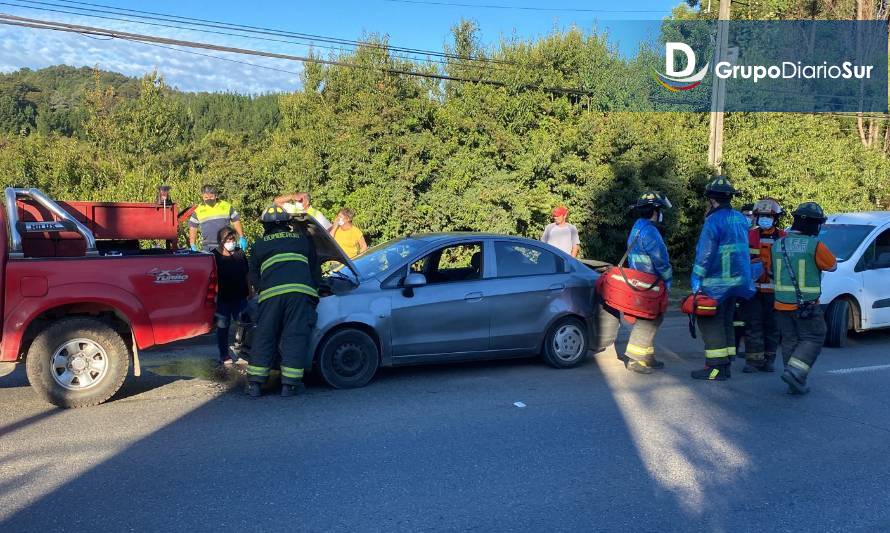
720	186
768	206
654	199
274	215
810	210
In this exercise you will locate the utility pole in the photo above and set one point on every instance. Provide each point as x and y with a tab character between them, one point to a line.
718	93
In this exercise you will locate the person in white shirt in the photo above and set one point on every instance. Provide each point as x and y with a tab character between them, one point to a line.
561	234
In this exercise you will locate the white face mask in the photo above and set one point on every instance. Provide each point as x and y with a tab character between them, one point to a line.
299	205
765	222
660	217
340	221
229	246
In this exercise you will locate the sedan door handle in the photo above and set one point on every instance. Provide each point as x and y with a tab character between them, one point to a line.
558	287
473	297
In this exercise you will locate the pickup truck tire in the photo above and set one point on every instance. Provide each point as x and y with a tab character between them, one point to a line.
837	323
566	343
77	362
348	359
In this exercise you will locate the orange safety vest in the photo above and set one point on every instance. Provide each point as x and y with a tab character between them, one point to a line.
760	243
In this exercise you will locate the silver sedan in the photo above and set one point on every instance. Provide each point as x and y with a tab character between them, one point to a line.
432	298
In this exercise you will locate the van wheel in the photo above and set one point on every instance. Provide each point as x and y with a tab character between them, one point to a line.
77	362
566	343
348	359
837	322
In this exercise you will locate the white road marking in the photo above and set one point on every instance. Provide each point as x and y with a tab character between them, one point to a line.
856	370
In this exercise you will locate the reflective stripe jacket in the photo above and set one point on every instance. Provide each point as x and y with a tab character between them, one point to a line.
761	243
648	253
211	219
722	266
801	251
284	262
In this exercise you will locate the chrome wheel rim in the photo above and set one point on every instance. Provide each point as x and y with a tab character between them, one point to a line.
568	342
79	364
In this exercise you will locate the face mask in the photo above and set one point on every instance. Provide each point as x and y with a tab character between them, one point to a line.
299	205
660	217
211	203
765	222
229	246
750	219
340	221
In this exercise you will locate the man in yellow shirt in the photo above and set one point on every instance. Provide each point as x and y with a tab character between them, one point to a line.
349	237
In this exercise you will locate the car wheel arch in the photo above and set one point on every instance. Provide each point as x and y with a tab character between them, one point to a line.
855	309
361	326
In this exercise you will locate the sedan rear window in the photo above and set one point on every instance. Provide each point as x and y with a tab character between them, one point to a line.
522	260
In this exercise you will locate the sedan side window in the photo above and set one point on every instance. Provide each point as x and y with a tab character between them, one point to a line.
461	262
522	260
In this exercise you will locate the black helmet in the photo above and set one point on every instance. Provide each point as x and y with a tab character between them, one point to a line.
810	210
654	199
720	186
747	209
274	215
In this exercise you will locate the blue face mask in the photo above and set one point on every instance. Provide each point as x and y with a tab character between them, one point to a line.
765	222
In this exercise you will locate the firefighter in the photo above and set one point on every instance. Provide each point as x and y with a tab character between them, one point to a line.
647	253
762	334
722	271
798	261
285	271
738	320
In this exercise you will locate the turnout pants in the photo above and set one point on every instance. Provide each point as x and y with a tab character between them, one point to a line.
641	346
284	325
801	340
718	333
762	335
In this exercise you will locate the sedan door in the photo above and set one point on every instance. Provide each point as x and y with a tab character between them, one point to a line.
448	315
529	280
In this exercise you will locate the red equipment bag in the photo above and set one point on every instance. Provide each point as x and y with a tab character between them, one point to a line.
634	293
699	305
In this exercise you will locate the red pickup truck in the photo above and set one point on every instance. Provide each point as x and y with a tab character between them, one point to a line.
79	296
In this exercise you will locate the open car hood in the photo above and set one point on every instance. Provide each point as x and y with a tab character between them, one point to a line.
326	247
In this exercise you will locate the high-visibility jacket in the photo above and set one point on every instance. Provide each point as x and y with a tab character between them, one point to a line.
761	243
284	262
211	219
648	252
722	267
801	250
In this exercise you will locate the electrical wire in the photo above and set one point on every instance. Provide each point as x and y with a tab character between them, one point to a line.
14	20
226	33
524	8
151	15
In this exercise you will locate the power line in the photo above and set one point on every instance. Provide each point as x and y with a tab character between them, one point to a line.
178	27
524	8
270	31
14	20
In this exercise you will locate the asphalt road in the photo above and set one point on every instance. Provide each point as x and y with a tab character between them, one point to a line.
595	448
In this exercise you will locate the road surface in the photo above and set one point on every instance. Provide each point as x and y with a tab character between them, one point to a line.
508	445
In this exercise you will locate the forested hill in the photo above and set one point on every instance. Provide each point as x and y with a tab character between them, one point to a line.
53	99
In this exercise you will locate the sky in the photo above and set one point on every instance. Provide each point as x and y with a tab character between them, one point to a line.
423	24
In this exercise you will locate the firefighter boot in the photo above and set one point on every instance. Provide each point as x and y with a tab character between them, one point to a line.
655	363
753	366
640	367
254	389
292	389
712	373
769	363
796	380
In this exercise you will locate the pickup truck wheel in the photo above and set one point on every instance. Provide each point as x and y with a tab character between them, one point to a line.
348	359
77	362
837	322
566	343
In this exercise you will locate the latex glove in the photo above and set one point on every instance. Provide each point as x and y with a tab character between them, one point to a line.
242	242
696	285
194	247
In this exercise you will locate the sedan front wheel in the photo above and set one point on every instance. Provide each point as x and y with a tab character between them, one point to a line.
348	359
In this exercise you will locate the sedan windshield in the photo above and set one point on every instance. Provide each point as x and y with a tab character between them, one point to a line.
843	239
385	256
